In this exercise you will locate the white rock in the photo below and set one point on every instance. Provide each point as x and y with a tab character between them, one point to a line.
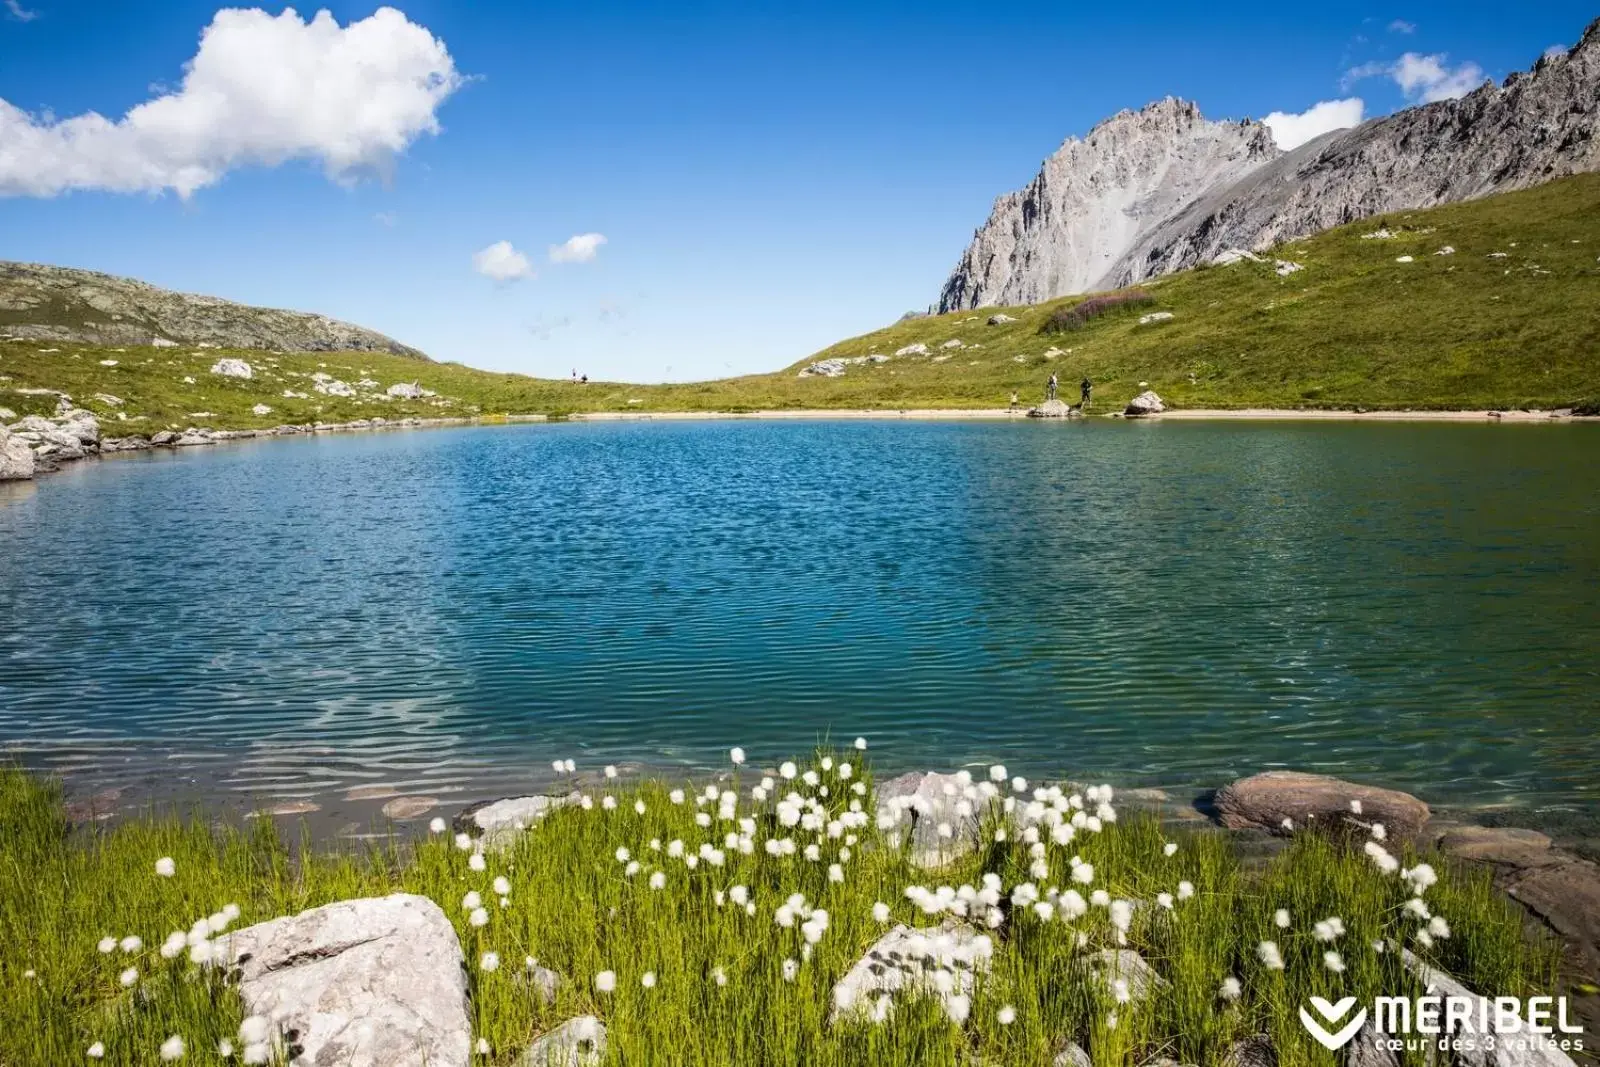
405	391
923	802
1230	256
1508	1053
954	342
905	960
500	822
1154	316
361	983
16	458
1283	268
261	409
1000	319
233	368
1402	259
579	1042
824	368
1114	965
1447	250
162	342
1146	403
918	349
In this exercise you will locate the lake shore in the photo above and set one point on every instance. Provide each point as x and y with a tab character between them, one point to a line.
1264	414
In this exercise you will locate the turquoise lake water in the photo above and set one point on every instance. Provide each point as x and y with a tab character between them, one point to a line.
1173	604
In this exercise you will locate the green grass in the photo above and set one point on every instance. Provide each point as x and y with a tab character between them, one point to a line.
1353	329
574	908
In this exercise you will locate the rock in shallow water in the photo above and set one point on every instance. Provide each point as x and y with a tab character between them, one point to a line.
361	983
1265	801
500	822
16	458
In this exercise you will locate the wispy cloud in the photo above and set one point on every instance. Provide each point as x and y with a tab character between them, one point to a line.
1422	78
580	248
16	11
1402	26
1555	51
1291	130
502	263
386	218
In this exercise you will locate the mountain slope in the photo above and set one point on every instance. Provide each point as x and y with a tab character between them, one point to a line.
46	303
1537	126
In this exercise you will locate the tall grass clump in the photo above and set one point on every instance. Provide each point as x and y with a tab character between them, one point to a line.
712	923
1076	316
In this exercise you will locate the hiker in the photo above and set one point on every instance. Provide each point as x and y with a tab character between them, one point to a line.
1050	388
1085	387
1013	402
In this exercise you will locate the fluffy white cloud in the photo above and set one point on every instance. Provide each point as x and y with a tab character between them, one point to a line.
1429	78
15	9
1402	26
260	90
502	263
1294	130
580	248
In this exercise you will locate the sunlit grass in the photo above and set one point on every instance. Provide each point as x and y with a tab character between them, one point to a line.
732	985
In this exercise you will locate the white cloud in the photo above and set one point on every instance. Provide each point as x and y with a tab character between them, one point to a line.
15	9
1423	79
1291	131
580	248
1429	78
260	90
1402	26
502	263
1555	51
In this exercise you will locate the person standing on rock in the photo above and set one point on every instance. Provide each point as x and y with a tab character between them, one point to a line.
1050	387
1086	387
1013	402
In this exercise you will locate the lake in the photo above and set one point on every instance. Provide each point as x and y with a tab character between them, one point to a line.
446	611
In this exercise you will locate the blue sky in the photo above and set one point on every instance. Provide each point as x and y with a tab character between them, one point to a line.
768	179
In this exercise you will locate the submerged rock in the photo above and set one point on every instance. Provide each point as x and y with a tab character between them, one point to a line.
1285	801
362	983
501	822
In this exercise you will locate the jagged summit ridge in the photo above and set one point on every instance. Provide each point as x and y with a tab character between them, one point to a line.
1153	191
1093	197
47	303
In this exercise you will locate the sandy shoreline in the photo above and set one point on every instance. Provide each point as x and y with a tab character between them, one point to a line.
934	414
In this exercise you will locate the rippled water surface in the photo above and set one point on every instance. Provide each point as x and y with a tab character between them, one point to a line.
446	611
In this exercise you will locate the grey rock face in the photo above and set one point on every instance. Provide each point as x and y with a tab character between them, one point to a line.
1162	189
360	983
1146	403
1111	966
1285	801
63	304
905	959
579	1042
937	812
1505	1053
1072	1056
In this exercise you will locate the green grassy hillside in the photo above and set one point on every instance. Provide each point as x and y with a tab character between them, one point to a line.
1510	319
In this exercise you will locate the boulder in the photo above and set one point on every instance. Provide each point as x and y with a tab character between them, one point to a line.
1146	403
1285	267
1124	964
362	983
1054	409
1072	1056
82	425
824	368
163	437
579	1042
501	822
1254	1051
918	349
1264	801
33	424
405	391
1566	895
233	368
409	807
1506	846
1000	319
192	437
1154	316
936	815
261	409
905	959
16	458
1509	1053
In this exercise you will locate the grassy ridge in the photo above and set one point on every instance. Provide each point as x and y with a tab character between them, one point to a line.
1506	321
577	908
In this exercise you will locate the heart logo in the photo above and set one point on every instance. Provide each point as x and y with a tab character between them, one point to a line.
1333	1013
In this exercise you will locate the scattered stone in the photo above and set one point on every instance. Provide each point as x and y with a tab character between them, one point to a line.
545	982
1264	801
405	391
288	807
824	368
1230	256
1154	316
933	804
360	983
1054	409
409	807
1146	403
261	409
1001	319
1447	250
162	342
1124	964
1254	1051
579	1042
108	400
500	822
1283	268
1496	255
905	959
1402	259
917	349
1564	893
233	368
1501	845
954	342
1382	233
1072	1056
370	792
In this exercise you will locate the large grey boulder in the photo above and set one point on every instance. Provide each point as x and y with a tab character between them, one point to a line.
362	983
501	822
82	425
16	458
935	817
1072	1056
1286	801
1146	403
405	391
579	1042
1113	965
1054	409
906	959
1505	1053
233	368
1505	846
1254	1051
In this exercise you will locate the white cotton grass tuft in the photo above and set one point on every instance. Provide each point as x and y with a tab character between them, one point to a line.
1329	929
791	970
255	1030
610	770
96	1051
1333	961
225	1049
1185	890
436	826
483	1046
861	744
489	962
648	979
479	917
605	981
658	880
1269	955
166	868
1169	849
476	861
464	842
1230	988
129	978
173	1048
958	1007
736	756
472	901
1280	918
502	886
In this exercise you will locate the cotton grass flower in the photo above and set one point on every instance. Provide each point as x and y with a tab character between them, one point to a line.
736	755
1280	918
476	862
1330	929
958	1007
166	868
128	977
880	912
1006	1015
502	886
861	744
225	1049
464	842
1438	927
1169	849
605	981
479	918
648	979
436	826
255	1030
489	962
791	970
658	880
483	1046
1269	955
1230	988
610	770
96	1051
472	901
173	1048
1333	961
1185	890
107	945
